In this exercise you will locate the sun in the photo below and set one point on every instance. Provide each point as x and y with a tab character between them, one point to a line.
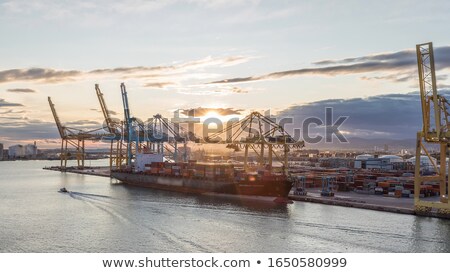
212	114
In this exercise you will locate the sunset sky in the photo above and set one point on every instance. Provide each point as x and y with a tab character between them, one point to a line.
235	56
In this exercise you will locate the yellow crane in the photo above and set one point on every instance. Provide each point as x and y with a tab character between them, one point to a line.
435	131
75	138
118	152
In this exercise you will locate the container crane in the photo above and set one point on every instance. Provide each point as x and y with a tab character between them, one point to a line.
165	137
135	133
435	130
128	121
115	127
258	133
75	138
159	134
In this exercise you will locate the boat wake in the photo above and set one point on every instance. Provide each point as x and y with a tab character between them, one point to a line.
120	210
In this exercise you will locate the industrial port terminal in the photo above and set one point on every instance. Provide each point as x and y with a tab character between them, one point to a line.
264	153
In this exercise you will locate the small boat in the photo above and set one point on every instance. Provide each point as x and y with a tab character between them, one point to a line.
63	190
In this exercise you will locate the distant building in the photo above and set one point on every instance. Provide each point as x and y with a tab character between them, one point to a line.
336	162
31	150
1	151
21	151
426	164
16	151
385	162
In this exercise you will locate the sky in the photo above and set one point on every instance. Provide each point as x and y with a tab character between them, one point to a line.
290	57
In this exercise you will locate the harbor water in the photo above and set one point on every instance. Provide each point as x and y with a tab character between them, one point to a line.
101	215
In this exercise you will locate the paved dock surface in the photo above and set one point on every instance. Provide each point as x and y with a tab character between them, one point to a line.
364	201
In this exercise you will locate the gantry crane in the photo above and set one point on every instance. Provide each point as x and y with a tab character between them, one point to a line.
158	135
258	133
118	154
75	138
166	135
435	130
135	133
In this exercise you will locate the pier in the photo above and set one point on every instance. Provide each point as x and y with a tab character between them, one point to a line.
343	199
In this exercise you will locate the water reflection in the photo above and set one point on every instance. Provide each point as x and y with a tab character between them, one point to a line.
102	216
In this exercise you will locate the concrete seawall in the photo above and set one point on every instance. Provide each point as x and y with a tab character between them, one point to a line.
353	204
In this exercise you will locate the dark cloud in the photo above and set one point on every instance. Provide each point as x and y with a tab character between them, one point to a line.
11	111
158	84
4	103
27	129
21	90
396	116
199	112
392	77
111	112
404	61
409	55
37	74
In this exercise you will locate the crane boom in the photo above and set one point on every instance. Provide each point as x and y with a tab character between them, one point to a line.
105	111
126	108
61	130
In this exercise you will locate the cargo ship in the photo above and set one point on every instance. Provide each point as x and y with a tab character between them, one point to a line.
207	178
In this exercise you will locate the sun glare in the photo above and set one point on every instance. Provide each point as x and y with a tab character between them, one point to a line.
212	114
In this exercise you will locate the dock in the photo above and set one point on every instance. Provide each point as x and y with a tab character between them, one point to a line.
344	199
362	201
96	171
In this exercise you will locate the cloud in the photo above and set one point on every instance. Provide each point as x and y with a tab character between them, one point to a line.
111	112
37	74
205	90
183	66
398	116
159	84
401	61
168	73
200	111
83	122
21	90
403	58
23	129
238	90
11	111
393	77
4	103
15	129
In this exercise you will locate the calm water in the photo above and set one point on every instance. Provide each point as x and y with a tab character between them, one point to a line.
100	216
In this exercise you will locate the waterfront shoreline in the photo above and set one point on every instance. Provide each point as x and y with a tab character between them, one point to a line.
343	199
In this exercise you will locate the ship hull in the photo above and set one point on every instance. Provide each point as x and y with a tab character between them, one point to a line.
193	185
